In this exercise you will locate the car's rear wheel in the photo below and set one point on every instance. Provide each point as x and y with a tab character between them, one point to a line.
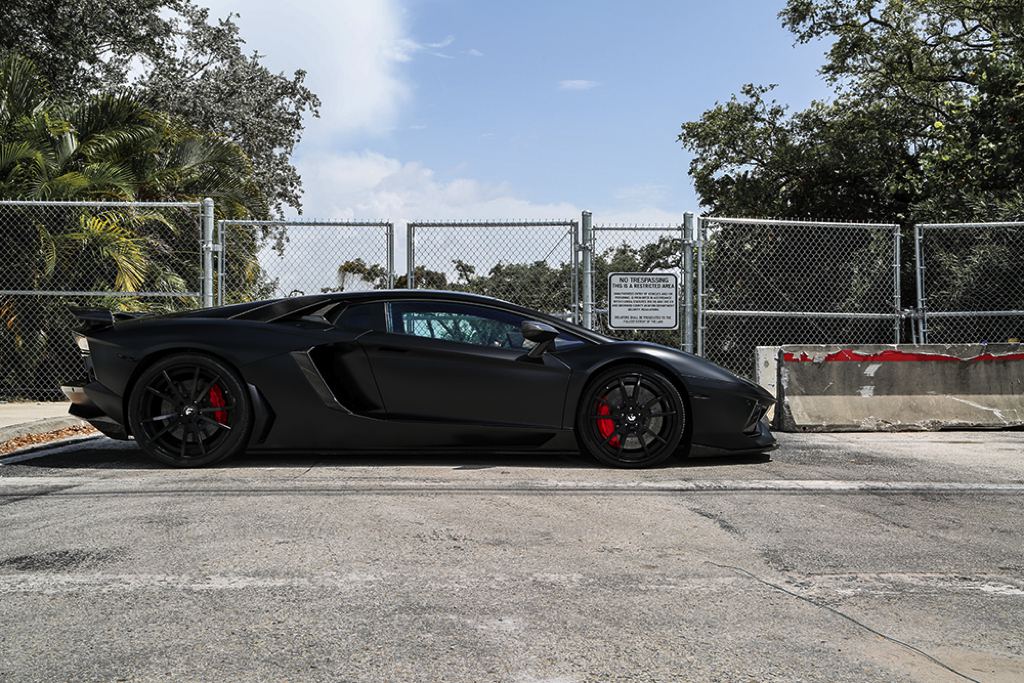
631	416
190	410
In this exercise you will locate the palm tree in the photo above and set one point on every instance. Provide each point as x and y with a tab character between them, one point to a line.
107	147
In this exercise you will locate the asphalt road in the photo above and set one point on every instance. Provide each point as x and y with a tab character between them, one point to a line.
841	558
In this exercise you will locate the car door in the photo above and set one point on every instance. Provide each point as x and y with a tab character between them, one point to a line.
458	362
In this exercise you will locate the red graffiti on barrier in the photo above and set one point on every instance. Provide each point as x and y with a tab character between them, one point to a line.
893	356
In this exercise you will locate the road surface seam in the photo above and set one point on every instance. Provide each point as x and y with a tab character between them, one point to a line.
845	616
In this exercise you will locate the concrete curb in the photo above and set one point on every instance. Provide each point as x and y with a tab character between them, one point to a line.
46	424
39	450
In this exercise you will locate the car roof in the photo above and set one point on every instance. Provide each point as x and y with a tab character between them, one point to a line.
275	309
417	293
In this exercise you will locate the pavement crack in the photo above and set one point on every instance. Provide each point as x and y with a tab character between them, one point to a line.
10	499
847	617
306	471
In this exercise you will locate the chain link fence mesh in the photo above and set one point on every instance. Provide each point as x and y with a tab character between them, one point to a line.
767	282
120	256
972	277
267	259
759	282
637	249
532	264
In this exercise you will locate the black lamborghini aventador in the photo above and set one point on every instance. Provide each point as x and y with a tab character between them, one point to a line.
403	369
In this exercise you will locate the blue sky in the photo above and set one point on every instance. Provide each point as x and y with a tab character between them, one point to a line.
477	109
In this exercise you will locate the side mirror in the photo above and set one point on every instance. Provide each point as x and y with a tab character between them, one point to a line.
541	334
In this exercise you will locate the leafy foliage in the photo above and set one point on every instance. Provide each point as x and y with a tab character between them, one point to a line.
925	125
169	55
107	147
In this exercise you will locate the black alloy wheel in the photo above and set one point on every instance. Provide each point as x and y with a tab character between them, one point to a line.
631	416
190	410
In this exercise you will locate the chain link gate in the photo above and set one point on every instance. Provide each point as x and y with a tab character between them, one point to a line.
530	263
970	282
772	282
267	259
641	249
125	256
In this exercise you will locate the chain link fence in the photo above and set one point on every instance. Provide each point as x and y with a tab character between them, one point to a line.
758	282
970	282
530	263
268	259
120	256
771	282
638	249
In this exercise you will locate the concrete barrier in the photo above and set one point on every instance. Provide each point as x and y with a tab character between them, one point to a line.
899	387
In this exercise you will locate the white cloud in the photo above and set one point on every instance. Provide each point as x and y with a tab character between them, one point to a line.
353	51
369	186
577	84
407	47
473	52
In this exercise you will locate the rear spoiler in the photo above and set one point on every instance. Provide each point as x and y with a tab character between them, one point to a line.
99	318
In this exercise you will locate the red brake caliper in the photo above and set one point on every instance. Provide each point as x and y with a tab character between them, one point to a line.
217	401
606	425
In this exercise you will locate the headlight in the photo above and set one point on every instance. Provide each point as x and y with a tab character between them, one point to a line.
83	344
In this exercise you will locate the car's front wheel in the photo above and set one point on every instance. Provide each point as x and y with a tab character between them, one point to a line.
190	410
631	416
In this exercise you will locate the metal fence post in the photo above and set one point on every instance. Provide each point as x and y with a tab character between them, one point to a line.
688	225
587	239
574	232
897	302
410	256
922	306
700	237
207	249
391	254
220	262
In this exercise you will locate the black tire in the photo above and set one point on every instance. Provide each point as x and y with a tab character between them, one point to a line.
630	416
190	410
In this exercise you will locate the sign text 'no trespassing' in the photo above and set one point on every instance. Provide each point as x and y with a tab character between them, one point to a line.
643	301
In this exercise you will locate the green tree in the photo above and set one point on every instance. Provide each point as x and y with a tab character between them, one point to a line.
357	271
925	122
108	147
924	126
169	54
425	279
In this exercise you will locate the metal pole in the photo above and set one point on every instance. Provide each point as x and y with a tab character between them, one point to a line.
410	256
688	225
391	254
922	306
701	227
574	231
897	304
207	248
220	262
587	238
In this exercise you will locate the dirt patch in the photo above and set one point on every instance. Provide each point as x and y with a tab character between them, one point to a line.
26	440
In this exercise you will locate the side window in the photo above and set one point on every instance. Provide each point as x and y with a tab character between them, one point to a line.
463	323
360	317
467	324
